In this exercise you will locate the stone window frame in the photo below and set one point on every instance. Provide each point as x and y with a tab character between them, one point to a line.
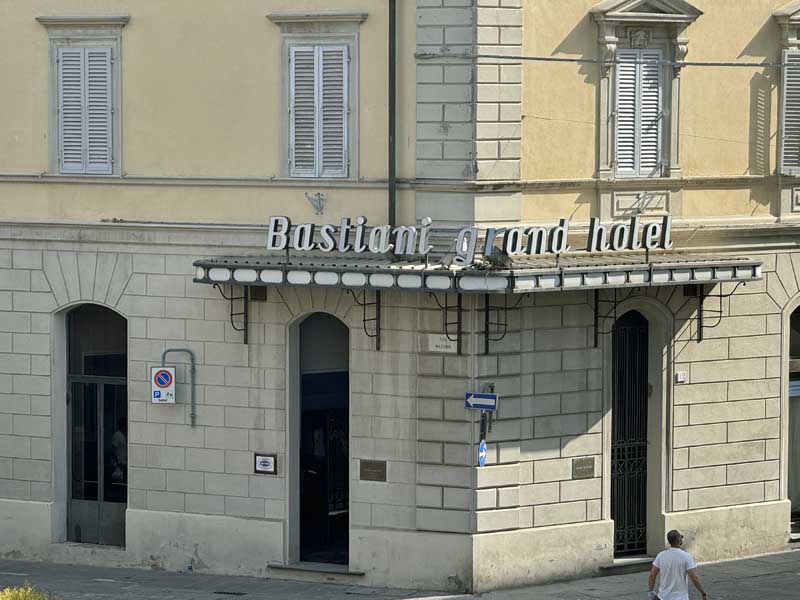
318	28
83	31
618	22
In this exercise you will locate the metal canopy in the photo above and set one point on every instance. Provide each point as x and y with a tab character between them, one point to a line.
520	274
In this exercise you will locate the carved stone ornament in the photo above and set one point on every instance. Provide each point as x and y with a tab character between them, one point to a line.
608	46
640	38
673	16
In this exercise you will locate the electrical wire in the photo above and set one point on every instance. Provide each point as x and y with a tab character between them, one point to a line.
600	61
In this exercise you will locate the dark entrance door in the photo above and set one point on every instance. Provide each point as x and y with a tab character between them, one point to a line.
629	435
98	426
324	441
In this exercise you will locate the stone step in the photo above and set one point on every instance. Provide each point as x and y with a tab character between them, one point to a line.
315	573
624	566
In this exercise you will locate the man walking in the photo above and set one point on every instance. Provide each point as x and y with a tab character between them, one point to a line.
676	567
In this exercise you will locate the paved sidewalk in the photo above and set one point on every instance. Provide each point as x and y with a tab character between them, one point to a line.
774	577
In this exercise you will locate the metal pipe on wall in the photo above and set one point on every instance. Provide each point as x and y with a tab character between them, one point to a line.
392	112
192	371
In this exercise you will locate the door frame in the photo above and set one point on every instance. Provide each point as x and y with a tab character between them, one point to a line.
59	433
293	433
786	334
659	414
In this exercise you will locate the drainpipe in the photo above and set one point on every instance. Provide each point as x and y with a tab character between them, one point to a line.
392	113
193	408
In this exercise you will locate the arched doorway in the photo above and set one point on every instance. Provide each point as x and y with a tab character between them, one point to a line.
630	392
793	430
97	425
324	439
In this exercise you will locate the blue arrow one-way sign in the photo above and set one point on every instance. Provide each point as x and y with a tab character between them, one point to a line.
478	401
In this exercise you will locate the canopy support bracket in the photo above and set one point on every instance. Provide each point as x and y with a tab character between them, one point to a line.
244	313
501	324
447	323
366	320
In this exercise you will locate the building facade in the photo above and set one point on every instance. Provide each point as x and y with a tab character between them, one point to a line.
646	378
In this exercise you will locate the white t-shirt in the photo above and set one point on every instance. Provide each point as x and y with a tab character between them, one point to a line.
673	565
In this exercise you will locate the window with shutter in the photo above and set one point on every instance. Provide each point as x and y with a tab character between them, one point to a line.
85	110
790	114
639	113
319	111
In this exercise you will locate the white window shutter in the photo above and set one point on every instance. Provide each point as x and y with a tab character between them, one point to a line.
639	113
650	113
303	107
625	117
334	110
99	116
790	117
71	119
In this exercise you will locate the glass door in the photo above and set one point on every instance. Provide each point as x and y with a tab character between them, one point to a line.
98	432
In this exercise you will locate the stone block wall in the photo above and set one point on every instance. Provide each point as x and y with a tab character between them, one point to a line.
498	107
241	390
549	378
727	436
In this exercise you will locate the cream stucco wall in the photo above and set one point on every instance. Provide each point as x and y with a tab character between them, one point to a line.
728	115
201	98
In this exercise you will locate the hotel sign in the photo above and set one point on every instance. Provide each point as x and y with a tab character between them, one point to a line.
407	240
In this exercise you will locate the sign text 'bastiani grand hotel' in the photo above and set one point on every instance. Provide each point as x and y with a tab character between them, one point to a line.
408	240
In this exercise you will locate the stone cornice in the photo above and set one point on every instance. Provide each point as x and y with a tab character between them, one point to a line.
84	21
281	18
624	11
441	185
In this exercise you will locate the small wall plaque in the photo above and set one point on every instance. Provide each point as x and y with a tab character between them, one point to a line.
266	464
438	343
372	470
583	468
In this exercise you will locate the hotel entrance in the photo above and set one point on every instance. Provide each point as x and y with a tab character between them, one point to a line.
629	435
324	440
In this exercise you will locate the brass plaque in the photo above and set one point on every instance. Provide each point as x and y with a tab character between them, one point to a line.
583	468
373	470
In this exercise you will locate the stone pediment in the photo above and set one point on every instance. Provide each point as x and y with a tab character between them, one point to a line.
645	11
789	13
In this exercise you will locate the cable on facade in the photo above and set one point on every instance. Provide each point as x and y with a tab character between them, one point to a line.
600	61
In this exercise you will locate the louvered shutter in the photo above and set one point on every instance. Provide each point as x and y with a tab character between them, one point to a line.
85	110
98	110
790	117
639	113
650	113
334	109
625	115
303	107
71	122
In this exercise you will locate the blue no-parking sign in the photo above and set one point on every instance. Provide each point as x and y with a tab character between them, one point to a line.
162	385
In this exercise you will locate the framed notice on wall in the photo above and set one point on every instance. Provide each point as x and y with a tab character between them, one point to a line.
266	464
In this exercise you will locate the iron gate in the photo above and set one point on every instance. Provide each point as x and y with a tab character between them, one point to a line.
629	435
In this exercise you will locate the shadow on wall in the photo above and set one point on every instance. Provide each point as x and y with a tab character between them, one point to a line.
581	42
761	136
764	87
